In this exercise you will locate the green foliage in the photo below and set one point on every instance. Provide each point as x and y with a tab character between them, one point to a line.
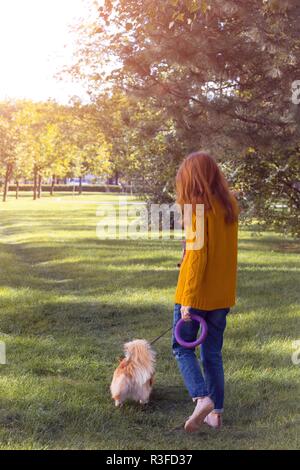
8	136
220	72
88	145
269	187
43	140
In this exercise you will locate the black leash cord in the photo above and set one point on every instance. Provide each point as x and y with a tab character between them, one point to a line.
160	336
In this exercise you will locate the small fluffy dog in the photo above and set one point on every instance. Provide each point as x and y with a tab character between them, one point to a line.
134	376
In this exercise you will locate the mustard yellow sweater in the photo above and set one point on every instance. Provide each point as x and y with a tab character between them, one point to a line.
207	278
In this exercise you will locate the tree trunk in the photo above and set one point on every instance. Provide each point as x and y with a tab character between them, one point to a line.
117	178
52	185
35	180
80	185
6	182
39	186
17	189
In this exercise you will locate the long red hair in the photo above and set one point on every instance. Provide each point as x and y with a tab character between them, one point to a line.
199	179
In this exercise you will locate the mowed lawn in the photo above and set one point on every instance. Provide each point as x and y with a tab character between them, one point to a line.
68	301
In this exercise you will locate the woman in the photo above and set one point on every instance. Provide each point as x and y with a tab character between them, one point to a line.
206	284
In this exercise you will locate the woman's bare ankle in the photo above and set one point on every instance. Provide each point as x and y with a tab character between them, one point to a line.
214	420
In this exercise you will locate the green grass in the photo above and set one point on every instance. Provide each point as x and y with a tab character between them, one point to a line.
68	301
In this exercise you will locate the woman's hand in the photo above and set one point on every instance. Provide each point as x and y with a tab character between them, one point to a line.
185	313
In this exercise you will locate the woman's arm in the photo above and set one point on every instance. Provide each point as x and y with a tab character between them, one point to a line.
196	264
195	268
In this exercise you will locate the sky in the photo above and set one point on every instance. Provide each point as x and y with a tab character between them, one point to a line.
33	36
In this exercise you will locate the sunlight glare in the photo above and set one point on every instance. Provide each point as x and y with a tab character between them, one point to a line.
35	43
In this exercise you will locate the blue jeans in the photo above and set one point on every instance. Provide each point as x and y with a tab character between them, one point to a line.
212	383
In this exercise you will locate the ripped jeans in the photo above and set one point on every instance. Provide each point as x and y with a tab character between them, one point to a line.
211	381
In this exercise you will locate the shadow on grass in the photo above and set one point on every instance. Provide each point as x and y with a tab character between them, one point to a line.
270	244
109	273
68	310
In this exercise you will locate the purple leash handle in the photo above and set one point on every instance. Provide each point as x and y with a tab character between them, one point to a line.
200	340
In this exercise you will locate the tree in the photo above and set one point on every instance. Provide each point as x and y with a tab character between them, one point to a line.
32	122
22	168
222	72
8	138
46	140
90	149
270	192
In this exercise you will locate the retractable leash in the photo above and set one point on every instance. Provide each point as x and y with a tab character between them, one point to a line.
200	340
179	325
186	344
160	336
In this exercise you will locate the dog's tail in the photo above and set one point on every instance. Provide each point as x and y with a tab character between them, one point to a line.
140	352
141	360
